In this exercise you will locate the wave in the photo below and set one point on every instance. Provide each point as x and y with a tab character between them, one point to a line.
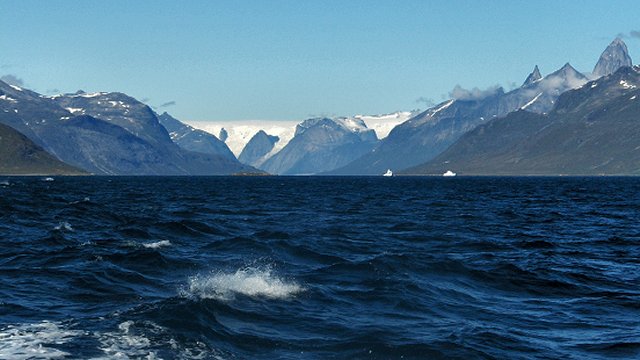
131	340
157	244
249	281
63	225
35	341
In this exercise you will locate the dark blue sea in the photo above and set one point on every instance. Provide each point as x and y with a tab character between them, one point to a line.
319	268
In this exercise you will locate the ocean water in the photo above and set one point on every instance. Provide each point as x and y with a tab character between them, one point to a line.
319	268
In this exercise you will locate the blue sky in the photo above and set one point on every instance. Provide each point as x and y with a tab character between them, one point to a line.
293	59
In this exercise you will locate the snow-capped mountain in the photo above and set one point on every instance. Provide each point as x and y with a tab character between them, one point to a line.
104	133
423	137
117	109
593	130
383	124
322	144
239	133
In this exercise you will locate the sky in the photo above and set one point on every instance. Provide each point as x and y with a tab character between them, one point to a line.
292	59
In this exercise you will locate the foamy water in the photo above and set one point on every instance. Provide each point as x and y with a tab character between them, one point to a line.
250	281
63	225
157	244
34	341
42	341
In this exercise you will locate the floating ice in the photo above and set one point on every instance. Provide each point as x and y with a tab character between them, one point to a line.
252	282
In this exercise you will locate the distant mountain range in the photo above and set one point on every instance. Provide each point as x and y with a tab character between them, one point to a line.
425	136
593	130
248	140
108	134
565	122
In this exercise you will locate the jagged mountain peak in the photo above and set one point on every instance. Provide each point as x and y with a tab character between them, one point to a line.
568	72
533	77
256	152
567	67
615	56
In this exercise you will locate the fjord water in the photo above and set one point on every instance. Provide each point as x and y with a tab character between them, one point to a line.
295	267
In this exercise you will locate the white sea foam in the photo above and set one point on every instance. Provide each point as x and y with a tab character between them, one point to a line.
63	226
157	244
249	281
139	341
124	344
35	341
86	199
42	341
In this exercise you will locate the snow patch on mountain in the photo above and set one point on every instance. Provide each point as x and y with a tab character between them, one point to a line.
9	99
531	102
240	132
383	124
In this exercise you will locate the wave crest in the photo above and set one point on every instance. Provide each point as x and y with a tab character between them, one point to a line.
157	244
252	282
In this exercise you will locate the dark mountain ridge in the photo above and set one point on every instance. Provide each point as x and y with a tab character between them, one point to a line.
21	156
105	133
594	130
428	134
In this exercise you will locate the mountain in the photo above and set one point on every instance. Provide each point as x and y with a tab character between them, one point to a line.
322	144
593	130
615	56
117	109
533	77
237	134
21	156
426	135
191	139
258	148
104	133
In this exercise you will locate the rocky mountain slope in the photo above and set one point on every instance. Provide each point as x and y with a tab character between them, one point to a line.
322	144
593	130
430	133
104	133
258	149
21	156
191	139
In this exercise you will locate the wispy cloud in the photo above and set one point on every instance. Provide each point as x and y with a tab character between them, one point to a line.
633	34
460	93
427	101
12	80
167	104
